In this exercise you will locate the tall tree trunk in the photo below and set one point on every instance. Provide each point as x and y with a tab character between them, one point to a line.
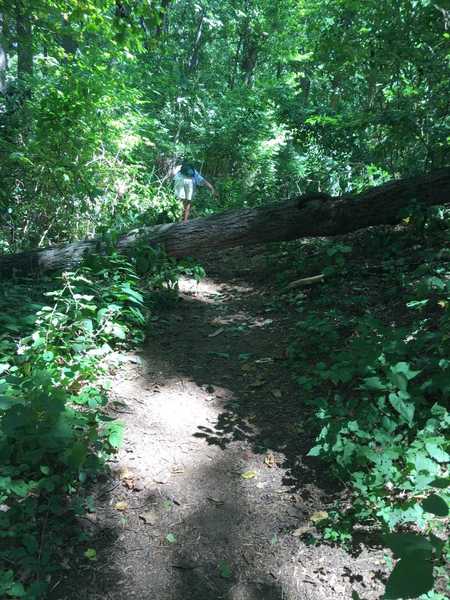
24	40
163	18
234	68
250	50
3	54
67	38
193	61
309	216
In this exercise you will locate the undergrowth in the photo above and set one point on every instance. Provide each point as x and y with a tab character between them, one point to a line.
55	431
371	355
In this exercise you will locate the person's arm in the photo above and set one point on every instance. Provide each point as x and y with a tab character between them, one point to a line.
200	180
210	187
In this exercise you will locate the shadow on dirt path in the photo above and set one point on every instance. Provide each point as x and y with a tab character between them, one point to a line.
211	495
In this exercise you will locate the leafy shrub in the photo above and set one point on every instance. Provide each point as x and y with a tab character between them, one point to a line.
54	431
380	394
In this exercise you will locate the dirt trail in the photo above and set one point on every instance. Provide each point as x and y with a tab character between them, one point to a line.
211	497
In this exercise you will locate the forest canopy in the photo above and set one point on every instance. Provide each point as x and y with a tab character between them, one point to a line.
311	119
271	99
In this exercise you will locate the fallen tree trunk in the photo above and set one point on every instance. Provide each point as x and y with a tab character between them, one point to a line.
308	216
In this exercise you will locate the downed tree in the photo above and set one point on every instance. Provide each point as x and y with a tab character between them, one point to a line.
307	216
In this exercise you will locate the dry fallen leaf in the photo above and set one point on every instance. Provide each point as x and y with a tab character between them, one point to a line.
217	332
318	516
121	505
124	473
301	530
277	393
269	460
149	517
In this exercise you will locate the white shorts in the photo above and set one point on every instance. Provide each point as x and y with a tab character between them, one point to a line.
184	187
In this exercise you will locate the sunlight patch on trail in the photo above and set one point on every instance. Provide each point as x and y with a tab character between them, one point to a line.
161	423
205	287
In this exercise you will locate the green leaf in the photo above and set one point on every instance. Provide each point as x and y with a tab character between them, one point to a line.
76	455
441	482
410	578
436	505
434	449
171	538
7	401
405	409
118	331
404	369
20	487
224	570
133	295
315	451
374	383
91	554
87	325
115	435
48	356
17	590
436	283
405	544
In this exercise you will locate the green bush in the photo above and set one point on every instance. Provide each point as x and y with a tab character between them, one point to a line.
54	431
380	396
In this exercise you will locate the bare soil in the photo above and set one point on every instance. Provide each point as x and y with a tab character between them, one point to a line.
211	495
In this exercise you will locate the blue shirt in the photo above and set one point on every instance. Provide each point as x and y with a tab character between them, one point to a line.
198	179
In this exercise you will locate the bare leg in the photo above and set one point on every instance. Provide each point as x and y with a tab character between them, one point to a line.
187	208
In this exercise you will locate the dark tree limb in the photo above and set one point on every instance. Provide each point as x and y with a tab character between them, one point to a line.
24	40
308	216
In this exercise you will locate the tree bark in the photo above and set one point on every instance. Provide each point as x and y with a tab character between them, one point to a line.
193	60
163	16
24	41
3	55
311	215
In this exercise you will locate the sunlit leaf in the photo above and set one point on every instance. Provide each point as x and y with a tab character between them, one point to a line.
248	475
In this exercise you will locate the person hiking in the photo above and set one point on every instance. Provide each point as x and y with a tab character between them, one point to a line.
186	179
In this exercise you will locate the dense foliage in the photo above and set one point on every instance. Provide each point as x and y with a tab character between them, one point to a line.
374	368
98	98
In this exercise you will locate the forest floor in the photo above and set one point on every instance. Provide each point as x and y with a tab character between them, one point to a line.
212	496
